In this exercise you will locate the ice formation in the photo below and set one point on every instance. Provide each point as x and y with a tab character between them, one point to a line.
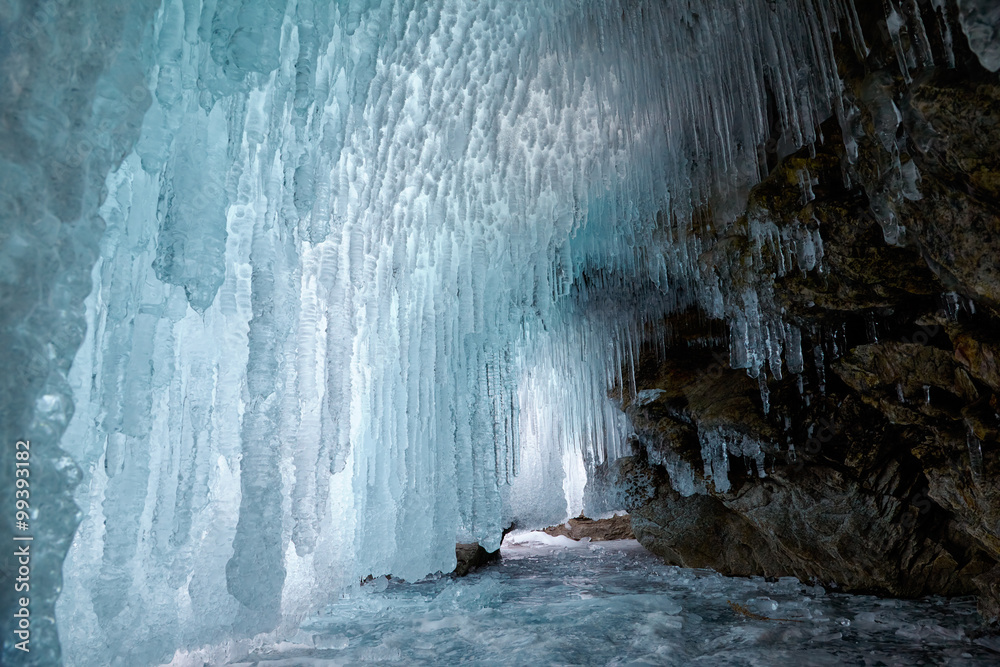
981	23
360	274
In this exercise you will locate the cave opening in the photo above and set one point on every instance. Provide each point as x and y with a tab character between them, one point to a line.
672	328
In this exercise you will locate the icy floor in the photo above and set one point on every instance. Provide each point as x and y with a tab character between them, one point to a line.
555	602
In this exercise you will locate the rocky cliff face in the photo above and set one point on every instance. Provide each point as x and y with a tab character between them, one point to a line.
874	466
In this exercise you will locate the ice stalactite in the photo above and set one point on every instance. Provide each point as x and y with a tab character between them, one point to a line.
981	23
365	265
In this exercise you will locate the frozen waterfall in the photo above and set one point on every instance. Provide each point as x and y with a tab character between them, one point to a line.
361	275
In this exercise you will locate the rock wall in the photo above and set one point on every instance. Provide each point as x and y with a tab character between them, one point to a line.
873	466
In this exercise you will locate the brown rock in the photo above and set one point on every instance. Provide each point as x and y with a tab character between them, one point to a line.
989	593
472	556
598	530
700	531
897	377
979	352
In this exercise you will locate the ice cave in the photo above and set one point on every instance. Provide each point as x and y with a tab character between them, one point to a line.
500	332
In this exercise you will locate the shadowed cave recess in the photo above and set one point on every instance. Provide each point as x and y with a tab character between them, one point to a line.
299	292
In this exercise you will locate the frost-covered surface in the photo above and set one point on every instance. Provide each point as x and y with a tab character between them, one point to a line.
555	602
360	265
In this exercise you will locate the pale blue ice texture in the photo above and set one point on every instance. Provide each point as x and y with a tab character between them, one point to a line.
362	274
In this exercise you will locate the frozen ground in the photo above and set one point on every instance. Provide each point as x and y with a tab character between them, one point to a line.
555	602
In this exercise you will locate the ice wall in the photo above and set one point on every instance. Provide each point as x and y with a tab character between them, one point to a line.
365	266
71	102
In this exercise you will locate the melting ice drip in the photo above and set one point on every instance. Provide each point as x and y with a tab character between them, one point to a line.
367	265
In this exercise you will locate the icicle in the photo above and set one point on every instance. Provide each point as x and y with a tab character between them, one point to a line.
820	368
715	456
975	457
895	24
979	20
793	351
806	183
682	477
951	305
765	393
